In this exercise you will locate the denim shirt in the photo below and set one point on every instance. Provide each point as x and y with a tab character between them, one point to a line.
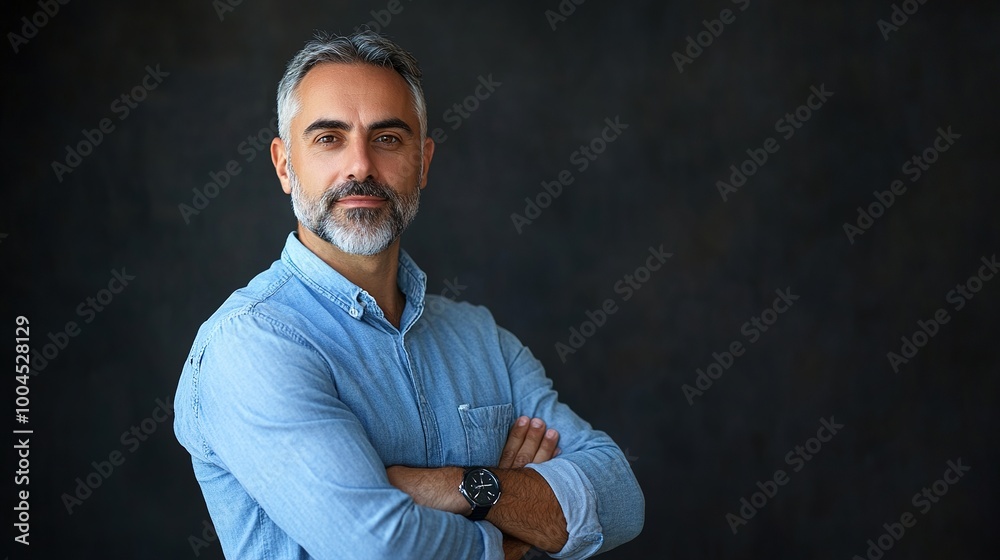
298	393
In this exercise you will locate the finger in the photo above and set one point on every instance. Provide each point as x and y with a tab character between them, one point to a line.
547	448
514	440
532	440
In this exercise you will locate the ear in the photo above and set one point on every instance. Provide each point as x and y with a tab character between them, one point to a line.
279	157
428	156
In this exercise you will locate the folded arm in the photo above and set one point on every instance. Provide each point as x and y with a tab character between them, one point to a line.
270	415
593	482
582	502
527	512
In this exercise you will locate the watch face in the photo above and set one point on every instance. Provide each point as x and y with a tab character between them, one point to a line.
482	487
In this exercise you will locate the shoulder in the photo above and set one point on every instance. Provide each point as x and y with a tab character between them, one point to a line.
265	307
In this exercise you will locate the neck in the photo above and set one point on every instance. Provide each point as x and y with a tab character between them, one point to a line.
375	274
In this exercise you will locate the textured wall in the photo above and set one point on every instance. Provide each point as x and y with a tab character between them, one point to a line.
209	86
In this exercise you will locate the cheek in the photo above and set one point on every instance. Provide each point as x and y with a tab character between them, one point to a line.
316	175
406	168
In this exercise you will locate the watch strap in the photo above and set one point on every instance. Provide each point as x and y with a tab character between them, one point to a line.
479	513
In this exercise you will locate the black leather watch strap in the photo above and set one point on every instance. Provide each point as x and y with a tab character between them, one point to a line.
479	513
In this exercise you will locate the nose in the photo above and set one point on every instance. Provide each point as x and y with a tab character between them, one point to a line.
359	165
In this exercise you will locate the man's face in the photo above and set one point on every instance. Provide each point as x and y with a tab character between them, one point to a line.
354	166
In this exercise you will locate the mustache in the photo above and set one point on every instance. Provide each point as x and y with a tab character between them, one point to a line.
368	187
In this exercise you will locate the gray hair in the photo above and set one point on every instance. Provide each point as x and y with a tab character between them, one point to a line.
362	47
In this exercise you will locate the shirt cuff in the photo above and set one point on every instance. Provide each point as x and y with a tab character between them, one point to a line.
492	539
578	501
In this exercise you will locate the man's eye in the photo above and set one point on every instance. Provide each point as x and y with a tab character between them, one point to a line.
326	139
387	139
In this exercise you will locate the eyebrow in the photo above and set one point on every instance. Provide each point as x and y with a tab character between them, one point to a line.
333	124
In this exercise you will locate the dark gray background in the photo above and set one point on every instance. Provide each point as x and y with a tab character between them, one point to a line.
654	185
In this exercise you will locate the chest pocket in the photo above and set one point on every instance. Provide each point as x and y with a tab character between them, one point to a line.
486	429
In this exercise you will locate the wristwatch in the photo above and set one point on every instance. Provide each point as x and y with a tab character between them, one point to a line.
482	489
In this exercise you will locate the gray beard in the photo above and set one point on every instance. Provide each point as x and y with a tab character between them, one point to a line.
356	231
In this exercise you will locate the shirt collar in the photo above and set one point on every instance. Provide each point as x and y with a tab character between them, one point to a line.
326	280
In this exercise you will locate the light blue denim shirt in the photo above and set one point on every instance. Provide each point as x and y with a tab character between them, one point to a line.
298	393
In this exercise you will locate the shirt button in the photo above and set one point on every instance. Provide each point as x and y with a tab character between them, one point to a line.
354	312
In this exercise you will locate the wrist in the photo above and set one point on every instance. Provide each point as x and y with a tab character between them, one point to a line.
443	495
431	487
455	501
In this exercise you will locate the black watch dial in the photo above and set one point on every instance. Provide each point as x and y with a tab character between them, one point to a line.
482	487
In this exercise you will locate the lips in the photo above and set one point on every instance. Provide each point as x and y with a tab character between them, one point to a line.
356	201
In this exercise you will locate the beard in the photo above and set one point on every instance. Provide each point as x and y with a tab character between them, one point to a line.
357	231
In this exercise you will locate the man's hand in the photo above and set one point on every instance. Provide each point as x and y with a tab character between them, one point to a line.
528	442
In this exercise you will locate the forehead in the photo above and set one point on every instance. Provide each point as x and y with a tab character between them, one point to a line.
353	93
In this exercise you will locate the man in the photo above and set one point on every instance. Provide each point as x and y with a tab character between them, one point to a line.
333	410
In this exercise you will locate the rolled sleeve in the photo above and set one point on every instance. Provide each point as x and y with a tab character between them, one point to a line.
578	501
593	482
